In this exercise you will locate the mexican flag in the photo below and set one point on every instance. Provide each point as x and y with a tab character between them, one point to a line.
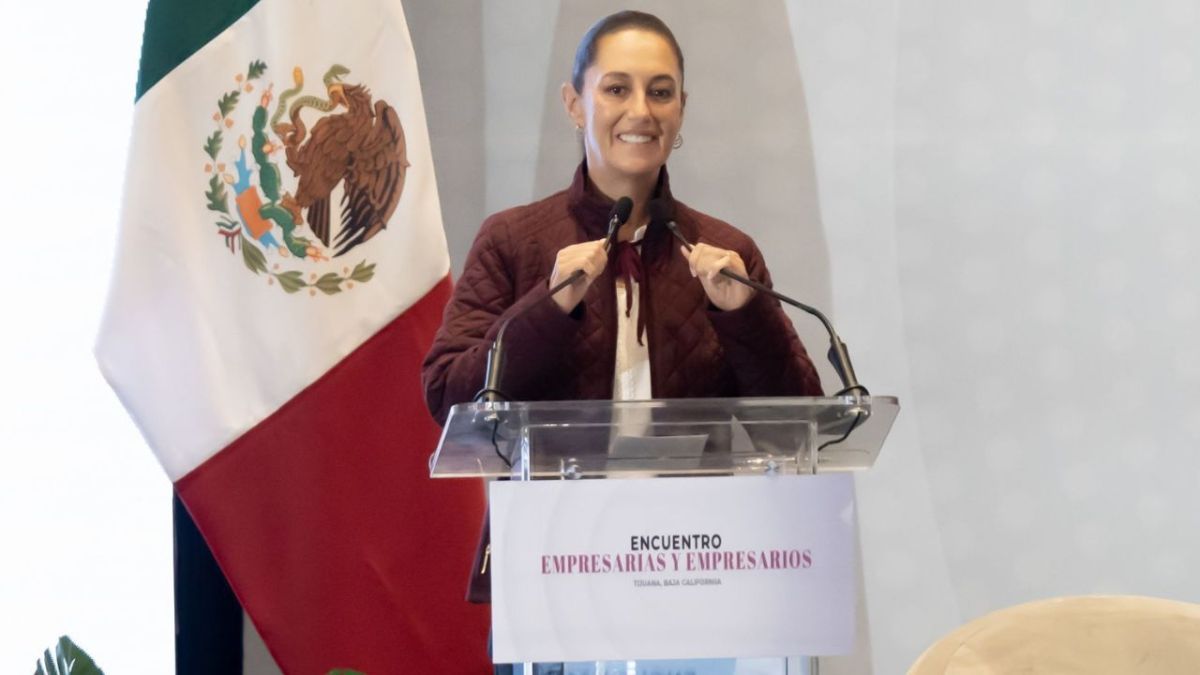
280	273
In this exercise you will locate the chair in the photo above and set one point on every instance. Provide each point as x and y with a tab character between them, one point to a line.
1092	635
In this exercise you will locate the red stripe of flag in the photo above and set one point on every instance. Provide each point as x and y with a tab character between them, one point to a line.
343	551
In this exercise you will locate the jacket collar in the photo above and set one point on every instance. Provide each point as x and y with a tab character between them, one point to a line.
590	208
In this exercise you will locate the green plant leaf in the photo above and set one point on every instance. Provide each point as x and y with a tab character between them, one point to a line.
291	281
68	659
228	102
213	145
363	272
217	199
252	256
329	283
45	665
255	70
227	225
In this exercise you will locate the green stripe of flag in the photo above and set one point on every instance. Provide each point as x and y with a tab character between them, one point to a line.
175	29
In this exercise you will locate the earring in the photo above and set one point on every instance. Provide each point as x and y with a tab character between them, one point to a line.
579	132
678	142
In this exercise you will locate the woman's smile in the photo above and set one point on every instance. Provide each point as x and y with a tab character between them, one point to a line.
636	139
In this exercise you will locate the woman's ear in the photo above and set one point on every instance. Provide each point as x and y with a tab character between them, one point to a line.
573	104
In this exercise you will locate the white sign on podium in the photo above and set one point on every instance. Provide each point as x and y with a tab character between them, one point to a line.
683	567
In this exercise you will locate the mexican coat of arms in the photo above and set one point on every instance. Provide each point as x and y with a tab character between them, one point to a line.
286	225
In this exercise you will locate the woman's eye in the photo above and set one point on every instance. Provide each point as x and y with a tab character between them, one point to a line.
662	93
616	89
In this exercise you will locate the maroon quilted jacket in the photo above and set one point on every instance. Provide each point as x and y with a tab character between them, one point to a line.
695	349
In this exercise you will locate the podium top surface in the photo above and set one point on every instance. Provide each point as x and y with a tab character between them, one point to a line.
666	436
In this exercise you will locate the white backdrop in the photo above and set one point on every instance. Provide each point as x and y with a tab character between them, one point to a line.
85	517
1047	217
996	200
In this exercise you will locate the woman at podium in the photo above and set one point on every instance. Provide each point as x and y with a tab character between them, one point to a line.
646	319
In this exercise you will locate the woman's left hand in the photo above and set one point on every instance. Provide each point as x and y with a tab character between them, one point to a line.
706	263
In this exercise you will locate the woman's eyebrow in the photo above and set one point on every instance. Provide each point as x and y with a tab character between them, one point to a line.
627	76
619	75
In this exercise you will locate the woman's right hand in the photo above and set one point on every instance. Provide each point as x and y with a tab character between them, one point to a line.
590	257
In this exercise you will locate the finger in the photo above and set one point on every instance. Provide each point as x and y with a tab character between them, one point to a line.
597	258
726	262
690	256
736	263
592	268
598	263
568	265
707	266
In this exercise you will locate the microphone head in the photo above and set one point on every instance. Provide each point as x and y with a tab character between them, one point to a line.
661	211
616	218
621	210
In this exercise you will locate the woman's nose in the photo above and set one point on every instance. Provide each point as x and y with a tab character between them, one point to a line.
638	107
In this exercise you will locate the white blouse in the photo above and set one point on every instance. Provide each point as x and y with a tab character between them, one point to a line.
631	378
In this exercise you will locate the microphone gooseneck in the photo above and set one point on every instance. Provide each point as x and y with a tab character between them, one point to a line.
494	370
839	356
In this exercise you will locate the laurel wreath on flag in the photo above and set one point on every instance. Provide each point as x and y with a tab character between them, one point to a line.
228	226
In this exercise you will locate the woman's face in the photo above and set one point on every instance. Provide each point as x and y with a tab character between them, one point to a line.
631	106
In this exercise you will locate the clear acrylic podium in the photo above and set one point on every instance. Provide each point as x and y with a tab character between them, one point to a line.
559	440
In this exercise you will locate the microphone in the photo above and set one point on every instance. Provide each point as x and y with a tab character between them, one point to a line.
618	217
661	212
495	361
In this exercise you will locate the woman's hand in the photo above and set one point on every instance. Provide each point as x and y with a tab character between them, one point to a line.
706	263
590	257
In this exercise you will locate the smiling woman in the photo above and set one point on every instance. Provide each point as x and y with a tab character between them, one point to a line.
626	97
638	319
645	319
